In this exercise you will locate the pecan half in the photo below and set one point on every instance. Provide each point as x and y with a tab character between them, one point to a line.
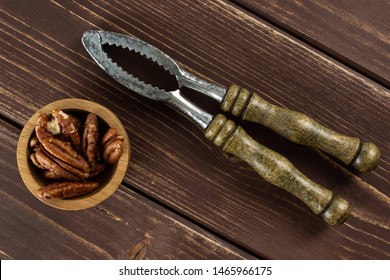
33	158
112	146
66	189
110	135
77	172
112	151
69	128
91	139
50	175
52	166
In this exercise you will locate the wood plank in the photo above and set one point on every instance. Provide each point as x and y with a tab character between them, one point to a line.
355	32
122	226
172	162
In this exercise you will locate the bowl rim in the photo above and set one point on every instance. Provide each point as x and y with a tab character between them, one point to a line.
103	192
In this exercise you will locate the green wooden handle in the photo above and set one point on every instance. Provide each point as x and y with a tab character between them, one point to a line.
300	128
277	170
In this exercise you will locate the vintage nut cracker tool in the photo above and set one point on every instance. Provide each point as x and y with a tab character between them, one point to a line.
272	166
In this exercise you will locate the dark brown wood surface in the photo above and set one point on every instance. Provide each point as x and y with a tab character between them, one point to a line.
125	226
356	32
180	188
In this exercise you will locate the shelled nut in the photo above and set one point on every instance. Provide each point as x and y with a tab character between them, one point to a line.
71	154
112	146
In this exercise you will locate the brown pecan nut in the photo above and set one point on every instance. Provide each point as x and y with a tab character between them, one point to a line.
34	160
77	172
69	128
110	135
52	166
66	189
112	151
50	175
112	146
91	139
49	124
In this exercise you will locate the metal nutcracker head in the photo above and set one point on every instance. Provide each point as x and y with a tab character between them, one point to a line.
94	40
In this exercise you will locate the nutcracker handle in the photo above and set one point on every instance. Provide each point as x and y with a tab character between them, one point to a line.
277	170
300	128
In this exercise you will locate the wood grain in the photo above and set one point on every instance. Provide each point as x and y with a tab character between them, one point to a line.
355	32
172	161
33	230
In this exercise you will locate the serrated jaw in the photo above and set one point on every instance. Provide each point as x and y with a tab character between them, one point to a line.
94	40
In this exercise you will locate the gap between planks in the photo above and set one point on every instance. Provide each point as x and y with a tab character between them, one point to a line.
317	46
192	221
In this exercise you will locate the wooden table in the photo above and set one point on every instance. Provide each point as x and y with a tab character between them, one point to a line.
183	198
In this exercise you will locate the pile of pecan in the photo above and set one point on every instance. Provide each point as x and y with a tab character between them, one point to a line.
71	153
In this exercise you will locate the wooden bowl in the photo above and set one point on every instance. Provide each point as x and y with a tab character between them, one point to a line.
108	181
